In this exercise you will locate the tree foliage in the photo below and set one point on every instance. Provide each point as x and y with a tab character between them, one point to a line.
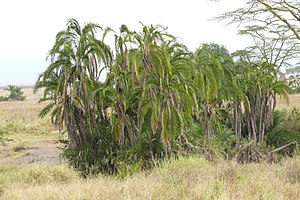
16	94
274	25
272	14
158	98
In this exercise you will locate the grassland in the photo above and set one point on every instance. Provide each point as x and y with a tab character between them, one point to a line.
19	119
292	102
187	178
184	178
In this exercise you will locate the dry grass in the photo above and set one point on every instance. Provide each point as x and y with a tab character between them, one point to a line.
21	111
19	119
21	127
188	178
293	102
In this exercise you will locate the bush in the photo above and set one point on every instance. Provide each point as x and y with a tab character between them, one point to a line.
285	128
224	142
3	98
16	94
105	156
294	90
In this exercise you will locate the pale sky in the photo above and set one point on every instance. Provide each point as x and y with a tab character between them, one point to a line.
28	28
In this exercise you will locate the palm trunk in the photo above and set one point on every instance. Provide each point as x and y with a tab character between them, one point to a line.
261	119
238	124
205	132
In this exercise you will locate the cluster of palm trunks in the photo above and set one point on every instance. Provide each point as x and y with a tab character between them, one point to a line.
157	97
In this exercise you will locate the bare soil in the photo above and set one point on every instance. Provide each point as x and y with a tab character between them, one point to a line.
47	151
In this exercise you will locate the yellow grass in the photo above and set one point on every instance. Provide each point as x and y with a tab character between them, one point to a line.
25	111
293	102
188	178
19	119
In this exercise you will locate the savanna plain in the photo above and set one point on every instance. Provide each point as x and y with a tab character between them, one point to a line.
30	167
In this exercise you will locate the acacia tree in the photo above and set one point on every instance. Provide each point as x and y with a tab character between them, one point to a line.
274	13
275	21
272	45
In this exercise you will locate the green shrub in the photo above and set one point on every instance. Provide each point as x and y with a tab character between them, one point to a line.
16	93
225	142
107	157
294	90
3	98
285	128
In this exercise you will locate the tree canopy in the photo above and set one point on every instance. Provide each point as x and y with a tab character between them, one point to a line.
158	98
274	25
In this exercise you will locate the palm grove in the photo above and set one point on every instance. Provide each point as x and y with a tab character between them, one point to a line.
158	99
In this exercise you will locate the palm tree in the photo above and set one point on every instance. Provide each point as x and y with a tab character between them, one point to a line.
155	71
208	73
154	92
294	82
230	89
16	93
77	58
261	82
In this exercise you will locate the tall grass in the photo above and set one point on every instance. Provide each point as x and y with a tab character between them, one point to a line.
186	178
293	102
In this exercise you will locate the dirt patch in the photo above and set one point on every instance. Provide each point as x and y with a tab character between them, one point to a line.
40	152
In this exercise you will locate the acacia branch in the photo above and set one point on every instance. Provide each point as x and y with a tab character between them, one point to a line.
292	12
290	26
